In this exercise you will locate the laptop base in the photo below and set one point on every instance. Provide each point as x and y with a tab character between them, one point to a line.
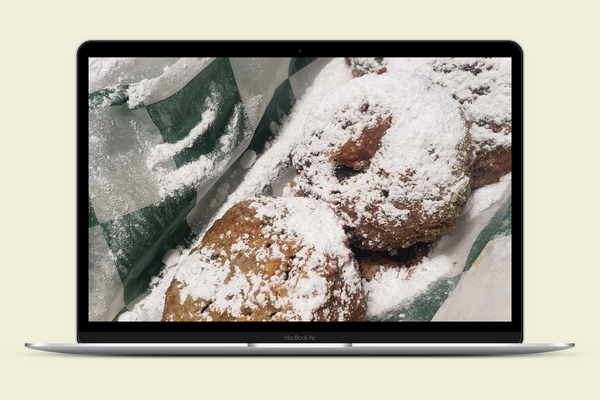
275	349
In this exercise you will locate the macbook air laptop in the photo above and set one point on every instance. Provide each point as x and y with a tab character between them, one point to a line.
299	198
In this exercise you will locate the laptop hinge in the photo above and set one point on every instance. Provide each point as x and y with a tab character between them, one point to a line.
284	345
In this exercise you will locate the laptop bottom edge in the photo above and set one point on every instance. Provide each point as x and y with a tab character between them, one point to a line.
273	349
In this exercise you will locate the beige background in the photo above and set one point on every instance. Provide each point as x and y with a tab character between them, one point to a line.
37	206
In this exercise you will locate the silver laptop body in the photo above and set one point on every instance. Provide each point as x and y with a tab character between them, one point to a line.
148	111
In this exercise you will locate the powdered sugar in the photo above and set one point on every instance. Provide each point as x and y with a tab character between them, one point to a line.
390	288
248	159
366	65
106	72
200	172
150	308
286	220
165	151
420	153
171	258
395	287
275	160
311	220
189	175
484	197
174	77
481	85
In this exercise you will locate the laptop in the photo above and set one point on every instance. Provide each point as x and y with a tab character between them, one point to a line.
299	198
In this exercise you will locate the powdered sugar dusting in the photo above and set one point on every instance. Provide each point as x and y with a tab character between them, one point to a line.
320	232
293	220
269	166
311	220
176	76
106	72
189	175
481	85
206	167
150	308
420	155
484	197
394	287
165	151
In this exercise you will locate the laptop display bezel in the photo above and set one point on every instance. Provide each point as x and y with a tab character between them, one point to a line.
320	332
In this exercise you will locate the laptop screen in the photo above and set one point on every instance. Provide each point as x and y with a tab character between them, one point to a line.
299	189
